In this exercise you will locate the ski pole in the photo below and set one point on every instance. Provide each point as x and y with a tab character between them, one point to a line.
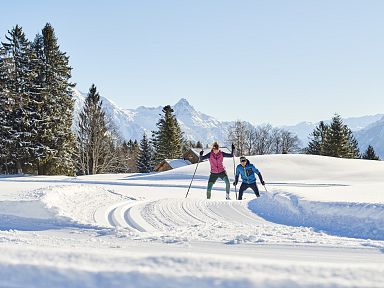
234	174
192	178
265	188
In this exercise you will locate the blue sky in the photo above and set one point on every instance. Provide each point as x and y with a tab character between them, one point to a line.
278	62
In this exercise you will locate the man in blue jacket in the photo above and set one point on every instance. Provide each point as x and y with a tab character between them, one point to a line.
247	172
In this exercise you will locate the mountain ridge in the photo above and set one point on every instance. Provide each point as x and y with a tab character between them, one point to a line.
197	126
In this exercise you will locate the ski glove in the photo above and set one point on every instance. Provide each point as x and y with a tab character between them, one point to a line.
262	182
201	153
236	180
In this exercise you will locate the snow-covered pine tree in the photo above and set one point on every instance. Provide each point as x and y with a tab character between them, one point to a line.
42	153
316	144
370	154
95	143
5	111
167	140
18	84
58	108
144	160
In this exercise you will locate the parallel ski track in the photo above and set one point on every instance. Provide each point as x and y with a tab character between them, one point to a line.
166	214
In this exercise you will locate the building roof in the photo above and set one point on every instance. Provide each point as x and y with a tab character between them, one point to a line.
177	163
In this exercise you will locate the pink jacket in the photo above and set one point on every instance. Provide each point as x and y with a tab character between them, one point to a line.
216	161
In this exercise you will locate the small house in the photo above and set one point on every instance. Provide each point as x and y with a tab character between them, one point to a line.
192	155
169	164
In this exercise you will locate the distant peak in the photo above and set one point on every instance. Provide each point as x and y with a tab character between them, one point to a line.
183	105
183	102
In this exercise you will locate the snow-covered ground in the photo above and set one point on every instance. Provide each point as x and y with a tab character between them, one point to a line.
320	224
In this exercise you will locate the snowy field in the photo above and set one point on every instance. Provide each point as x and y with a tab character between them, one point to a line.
320	224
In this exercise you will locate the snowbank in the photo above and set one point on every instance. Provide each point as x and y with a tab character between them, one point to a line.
357	220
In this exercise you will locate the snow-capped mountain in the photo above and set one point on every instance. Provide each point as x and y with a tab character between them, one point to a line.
197	126
132	123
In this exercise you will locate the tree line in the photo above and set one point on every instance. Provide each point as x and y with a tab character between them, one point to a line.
337	140
334	140
36	105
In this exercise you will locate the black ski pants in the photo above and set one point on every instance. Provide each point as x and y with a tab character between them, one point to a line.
245	186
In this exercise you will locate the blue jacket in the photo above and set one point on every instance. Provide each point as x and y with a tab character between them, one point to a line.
247	173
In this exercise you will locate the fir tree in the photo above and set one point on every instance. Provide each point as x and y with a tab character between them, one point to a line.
17	80
144	160
316	144
94	141
58	108
167	141
5	111
353	145
43	114
335	140
370	154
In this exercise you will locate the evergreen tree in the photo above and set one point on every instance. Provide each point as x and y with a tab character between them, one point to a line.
144	160
353	145
94	140
370	154
17	80
41	99
316	145
5	109
167	141
37	105
58	107
335	140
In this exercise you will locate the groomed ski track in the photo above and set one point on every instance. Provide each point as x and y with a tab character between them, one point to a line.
165	214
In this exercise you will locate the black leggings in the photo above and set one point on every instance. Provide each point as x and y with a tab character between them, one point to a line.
245	186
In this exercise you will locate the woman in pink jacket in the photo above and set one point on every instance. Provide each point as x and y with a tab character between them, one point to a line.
216	157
